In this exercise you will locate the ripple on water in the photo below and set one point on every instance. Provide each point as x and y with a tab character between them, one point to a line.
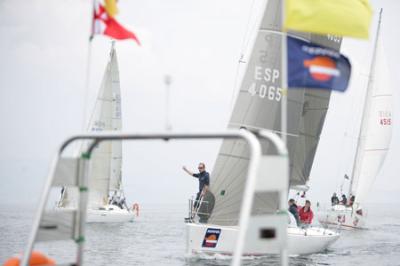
158	238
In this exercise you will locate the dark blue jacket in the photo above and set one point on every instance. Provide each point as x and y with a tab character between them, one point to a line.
293	210
204	179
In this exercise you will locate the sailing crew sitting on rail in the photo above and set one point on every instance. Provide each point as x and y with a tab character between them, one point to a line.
351	200
115	199
334	199
306	214
204	181
293	210
122	203
344	200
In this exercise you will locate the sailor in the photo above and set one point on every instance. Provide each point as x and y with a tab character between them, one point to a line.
293	210
122	203
306	214
334	199
114	199
204	181
351	200
344	199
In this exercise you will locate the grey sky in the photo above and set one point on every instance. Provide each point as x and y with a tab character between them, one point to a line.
43	50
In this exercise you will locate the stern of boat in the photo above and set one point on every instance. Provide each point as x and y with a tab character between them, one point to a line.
109	214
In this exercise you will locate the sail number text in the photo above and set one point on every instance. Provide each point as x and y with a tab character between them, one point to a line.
268	87
385	118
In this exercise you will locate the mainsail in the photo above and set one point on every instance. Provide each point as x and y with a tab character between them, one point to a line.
376	126
258	106
106	161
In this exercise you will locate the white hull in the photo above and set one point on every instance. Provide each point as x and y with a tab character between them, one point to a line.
109	214
300	241
343	216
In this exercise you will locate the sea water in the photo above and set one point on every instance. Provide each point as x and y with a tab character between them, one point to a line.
157	237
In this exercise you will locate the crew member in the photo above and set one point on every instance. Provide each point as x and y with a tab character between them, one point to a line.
306	214
293	210
204	181
344	199
334	199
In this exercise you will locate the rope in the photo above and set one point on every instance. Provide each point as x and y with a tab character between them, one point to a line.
244	46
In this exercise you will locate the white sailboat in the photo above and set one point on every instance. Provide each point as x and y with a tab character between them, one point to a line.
373	142
258	106
106	197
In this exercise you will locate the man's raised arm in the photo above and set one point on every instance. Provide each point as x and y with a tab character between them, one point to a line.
187	171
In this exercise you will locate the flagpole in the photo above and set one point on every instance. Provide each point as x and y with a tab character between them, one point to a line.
80	250
284	78
87	75
87	83
167	82
284	251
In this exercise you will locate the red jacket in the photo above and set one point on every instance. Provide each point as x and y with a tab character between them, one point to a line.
305	217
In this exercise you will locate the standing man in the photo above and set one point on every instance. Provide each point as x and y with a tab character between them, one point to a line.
204	181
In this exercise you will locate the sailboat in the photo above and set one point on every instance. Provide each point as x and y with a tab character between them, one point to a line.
373	142
106	201
258	106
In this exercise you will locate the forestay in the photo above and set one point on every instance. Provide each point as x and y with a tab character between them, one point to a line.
258	106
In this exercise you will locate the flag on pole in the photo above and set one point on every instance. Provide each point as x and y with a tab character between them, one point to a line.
315	66
111	7
339	17
105	24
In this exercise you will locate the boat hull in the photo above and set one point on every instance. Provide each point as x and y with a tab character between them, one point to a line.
300	241
109	214
342	216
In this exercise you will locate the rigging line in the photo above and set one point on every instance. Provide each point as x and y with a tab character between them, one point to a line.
344	163
243	48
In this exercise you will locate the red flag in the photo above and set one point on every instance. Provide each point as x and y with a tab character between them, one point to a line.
107	25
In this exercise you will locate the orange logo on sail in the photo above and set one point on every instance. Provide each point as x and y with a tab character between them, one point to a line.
322	68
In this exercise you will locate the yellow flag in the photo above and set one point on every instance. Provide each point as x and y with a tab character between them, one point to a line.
337	17
111	7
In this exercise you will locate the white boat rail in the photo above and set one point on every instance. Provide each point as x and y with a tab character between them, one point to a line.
273	226
74	172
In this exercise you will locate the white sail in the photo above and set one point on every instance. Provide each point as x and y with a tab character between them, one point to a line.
106	161
376	126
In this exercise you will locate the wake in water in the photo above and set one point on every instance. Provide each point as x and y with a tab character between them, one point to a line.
225	259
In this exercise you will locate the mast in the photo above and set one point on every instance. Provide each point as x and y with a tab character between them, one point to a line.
367	103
